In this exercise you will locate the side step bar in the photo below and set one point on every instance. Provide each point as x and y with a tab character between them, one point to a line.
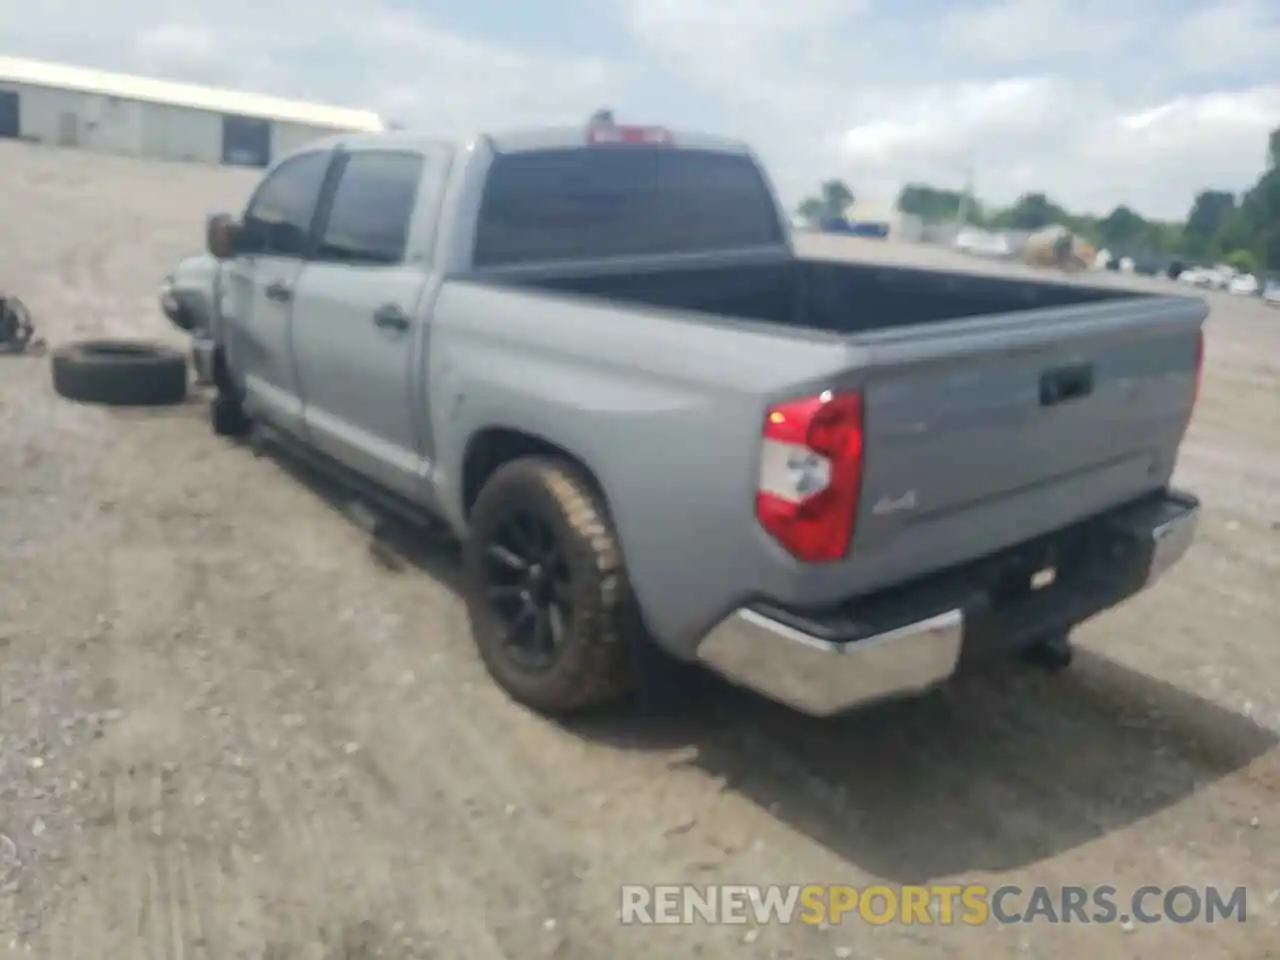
370	506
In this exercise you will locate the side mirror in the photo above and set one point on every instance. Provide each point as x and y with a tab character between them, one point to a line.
221	236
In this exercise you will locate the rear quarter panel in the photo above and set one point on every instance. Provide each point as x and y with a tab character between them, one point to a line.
665	412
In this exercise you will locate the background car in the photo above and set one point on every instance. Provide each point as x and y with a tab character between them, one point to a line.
1244	284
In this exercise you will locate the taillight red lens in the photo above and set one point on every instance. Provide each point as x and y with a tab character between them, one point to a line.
811	474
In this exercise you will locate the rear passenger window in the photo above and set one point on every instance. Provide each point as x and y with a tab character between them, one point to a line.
608	201
369	221
278	220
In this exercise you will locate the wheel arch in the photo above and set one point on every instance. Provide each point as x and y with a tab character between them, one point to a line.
492	446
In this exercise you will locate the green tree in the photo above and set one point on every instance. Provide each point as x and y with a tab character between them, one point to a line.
1122	229
810	209
837	198
1163	237
1032	211
1216	225
1084	225
1260	216
932	204
1209	214
1242	260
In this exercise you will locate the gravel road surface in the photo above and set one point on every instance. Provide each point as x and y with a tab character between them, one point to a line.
229	730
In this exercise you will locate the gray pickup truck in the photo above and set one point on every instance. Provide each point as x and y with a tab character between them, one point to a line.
595	355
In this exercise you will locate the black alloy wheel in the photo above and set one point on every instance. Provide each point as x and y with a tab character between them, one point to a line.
546	588
529	587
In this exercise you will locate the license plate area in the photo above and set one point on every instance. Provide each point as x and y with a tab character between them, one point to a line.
1062	578
1034	570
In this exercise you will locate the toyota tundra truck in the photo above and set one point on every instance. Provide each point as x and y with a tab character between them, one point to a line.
594	354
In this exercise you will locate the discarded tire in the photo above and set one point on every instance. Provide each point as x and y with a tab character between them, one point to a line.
120	373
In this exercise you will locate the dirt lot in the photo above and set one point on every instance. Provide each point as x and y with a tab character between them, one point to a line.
228	731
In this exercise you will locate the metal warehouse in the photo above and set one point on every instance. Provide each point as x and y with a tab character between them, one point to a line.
136	116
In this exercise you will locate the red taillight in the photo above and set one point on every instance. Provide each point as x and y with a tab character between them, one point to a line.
610	133
811	474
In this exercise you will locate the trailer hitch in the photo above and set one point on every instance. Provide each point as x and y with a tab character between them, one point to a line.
17	329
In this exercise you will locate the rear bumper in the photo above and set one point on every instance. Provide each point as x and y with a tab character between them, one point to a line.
912	637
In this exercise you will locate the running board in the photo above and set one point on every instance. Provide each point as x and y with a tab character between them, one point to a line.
371	505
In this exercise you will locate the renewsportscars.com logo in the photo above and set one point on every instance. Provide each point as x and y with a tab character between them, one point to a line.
937	904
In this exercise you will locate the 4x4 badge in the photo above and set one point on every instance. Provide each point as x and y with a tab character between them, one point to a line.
887	505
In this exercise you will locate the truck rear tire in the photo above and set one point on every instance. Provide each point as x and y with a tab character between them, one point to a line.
228	418
1052	653
546	589
227	415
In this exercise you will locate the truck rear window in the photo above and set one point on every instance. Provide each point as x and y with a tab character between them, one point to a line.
610	201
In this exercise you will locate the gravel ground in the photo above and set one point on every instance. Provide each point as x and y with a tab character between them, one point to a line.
228	730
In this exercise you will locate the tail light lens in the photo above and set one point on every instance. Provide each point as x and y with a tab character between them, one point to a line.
811	474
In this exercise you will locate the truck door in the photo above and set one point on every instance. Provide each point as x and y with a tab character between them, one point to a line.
359	334
260	294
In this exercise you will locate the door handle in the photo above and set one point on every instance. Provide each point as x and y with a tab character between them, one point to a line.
1065	384
391	317
279	291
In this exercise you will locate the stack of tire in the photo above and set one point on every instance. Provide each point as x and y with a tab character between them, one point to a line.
120	373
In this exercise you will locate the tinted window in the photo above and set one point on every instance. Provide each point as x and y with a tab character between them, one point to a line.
616	201
279	216
369	220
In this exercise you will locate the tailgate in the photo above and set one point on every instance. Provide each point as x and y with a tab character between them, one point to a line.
990	431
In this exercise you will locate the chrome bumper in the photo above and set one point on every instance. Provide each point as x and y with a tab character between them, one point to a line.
1171	540
822	678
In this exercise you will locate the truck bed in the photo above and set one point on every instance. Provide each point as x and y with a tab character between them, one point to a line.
996	410
835	297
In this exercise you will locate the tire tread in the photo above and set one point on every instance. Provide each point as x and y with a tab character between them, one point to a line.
602	672
155	376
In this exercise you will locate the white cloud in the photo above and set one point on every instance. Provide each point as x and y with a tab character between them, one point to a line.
1228	37
1215	140
947	125
1033	31
1081	146
1094	102
1029	94
167	45
457	84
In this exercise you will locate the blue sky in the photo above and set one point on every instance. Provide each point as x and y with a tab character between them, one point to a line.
1096	102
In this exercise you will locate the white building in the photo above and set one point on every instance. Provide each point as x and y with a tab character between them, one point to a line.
135	116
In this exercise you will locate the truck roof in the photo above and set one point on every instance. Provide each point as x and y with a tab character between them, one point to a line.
520	140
